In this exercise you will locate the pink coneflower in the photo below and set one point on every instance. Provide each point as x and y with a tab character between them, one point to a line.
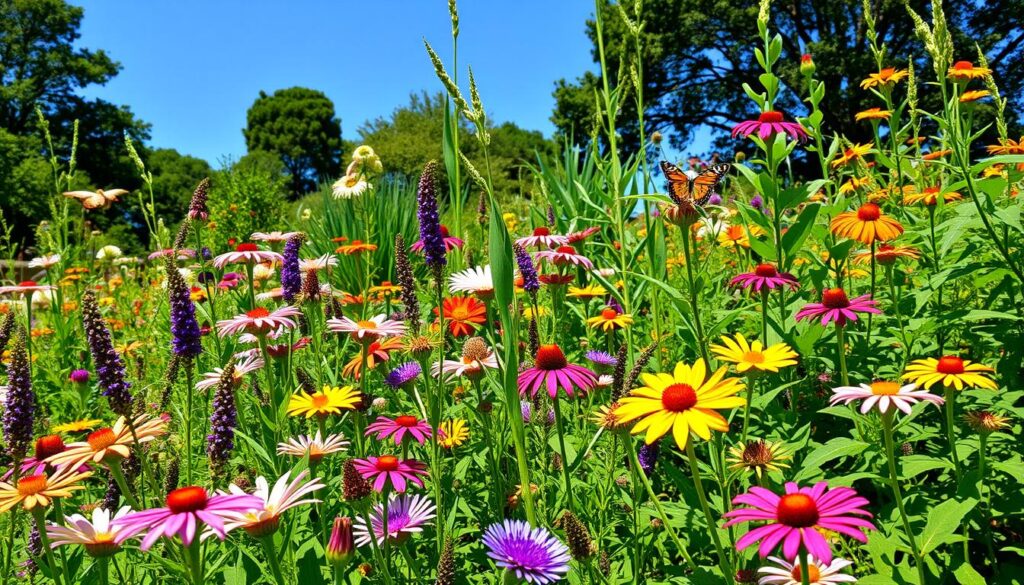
272	237
318	263
835	306
583	234
542	237
27	286
406	515
367	330
258	321
765	276
264	519
399	428
98	537
768	124
476	357
565	255
187	508
246	254
883	395
315	447
818	573
450	242
248	364
230	280
552	370
44	262
390	470
797	518
178	254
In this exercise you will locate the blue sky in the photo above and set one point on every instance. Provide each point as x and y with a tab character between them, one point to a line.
192	69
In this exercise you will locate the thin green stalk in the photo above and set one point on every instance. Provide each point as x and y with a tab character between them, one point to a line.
950	396
723	557
115	471
746	408
39	514
103	568
841	348
698	327
272	559
560	429
894	481
805	573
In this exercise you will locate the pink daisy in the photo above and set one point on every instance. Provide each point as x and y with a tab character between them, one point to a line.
835	306
367	330
765	276
187	508
770	123
390	470
399	427
564	255
184	254
582	234
542	237
28	286
551	369
258	321
246	254
450	242
883	395
272	237
796	518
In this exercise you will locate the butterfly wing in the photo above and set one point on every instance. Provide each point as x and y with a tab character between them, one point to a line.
704	185
88	199
678	182
113	194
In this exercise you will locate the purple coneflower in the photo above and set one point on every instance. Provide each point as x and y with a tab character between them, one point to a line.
542	237
109	368
565	255
765	276
768	124
403	375
552	370
531	554
835	306
291	275
246	253
186	510
20	401
388	470
406	515
399	428
258	321
431	236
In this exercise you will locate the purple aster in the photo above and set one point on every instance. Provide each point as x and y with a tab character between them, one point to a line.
531	554
186	340
603	361
20	402
109	368
406	515
221	440
429	218
758	203
79	376
403	375
527	270
291	277
715	199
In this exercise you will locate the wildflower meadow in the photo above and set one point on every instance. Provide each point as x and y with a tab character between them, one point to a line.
650	371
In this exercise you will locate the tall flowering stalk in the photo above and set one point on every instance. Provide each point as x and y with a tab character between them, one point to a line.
408	283
221	440
20	404
430	221
291	276
110	369
186	340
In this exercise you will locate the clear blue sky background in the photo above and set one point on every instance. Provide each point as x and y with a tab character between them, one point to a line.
192	68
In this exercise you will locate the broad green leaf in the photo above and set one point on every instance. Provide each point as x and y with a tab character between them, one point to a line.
944	521
830	451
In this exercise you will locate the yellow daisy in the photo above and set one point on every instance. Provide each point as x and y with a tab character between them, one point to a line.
453	433
77	426
872	114
856	151
754	356
887	76
683	401
966	71
586	293
610	319
951	371
329	400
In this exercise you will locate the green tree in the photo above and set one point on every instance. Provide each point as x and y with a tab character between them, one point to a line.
247	196
175	177
299	126
698	54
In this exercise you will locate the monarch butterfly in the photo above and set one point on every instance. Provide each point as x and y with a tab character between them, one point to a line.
698	189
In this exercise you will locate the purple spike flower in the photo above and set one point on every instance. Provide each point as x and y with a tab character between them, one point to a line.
109	367
197	207
430	220
531	554
648	457
186	339
221	440
531	284
291	277
403	375
20	403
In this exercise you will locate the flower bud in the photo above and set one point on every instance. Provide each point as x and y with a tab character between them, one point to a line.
806	65
340	547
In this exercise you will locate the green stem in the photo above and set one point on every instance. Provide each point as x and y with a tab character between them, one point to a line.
560	429
723	558
805	573
897	493
746	409
103	568
841	348
698	327
951	429
39	513
275	563
122	483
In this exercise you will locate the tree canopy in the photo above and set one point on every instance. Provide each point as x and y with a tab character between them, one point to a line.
298	125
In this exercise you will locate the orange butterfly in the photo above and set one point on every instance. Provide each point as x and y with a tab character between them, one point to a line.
99	199
698	189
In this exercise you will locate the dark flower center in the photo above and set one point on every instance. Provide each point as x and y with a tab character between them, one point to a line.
869	212
679	398
550	357
387	463
797	510
566	250
187	499
963	65
406	421
27	283
444	232
757	453
541	231
950	364
49	446
766	271
246	247
770	117
835	298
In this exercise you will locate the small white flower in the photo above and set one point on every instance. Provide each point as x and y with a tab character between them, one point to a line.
108	252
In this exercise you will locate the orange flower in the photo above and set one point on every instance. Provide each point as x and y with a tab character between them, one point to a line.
1007	146
866	225
872	114
885	77
463	314
935	155
356	247
851	154
376	352
854	183
887	254
974	95
930	196
966	71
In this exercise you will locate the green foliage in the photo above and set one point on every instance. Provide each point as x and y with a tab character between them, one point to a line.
24	177
247	196
299	126
175	176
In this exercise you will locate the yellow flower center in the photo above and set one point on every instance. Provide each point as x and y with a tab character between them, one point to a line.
813	574
367	325
885	388
754	357
101	439
31	485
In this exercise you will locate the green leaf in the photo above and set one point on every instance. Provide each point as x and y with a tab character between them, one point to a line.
943	522
794	237
914	465
966	575
834	449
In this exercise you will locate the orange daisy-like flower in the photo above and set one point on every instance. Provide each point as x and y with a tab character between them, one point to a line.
610	319
1007	146
866	225
38	490
110	444
930	196
937	154
882	194
385	288
872	114
853	183
887	254
885	77
356	247
966	71
974	95
463	314
376	353
855	152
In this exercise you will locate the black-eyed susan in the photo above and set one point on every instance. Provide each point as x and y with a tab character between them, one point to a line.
685	400
586	293
873	114
885	77
866	225
610	319
452	433
758	456
966	71
952	371
329	400
753	358
851	154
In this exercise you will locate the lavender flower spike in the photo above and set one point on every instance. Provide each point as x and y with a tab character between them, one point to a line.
186	340
291	277
109	367
20	403
197	207
526	268
221	440
429	218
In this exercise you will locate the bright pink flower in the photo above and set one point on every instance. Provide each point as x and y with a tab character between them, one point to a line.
399	427
187	508
258	321
552	370
542	237
797	518
768	124
835	306
246	254
765	276
388	469
564	255
582	234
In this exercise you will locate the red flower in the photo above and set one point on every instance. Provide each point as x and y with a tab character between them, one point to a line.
464	314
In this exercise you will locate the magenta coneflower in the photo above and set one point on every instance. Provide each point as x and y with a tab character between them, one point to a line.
272	237
531	554
187	509
883	395
583	234
450	242
183	254
796	518
258	321
765	276
565	255
390	470
552	370
246	254
406	515
835	306
768	124
367	330
399	428
27	286
542	237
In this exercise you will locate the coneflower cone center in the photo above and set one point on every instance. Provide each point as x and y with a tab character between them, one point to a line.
885	388
31	485
187	499
869	212
835	298
101	439
679	397
813	574
28	283
797	510
475	349
950	365
757	453
609	314
963	65
566	250
387	463
246	248
258	313
406	421
541	231
770	117
550	357
49	446
766	271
